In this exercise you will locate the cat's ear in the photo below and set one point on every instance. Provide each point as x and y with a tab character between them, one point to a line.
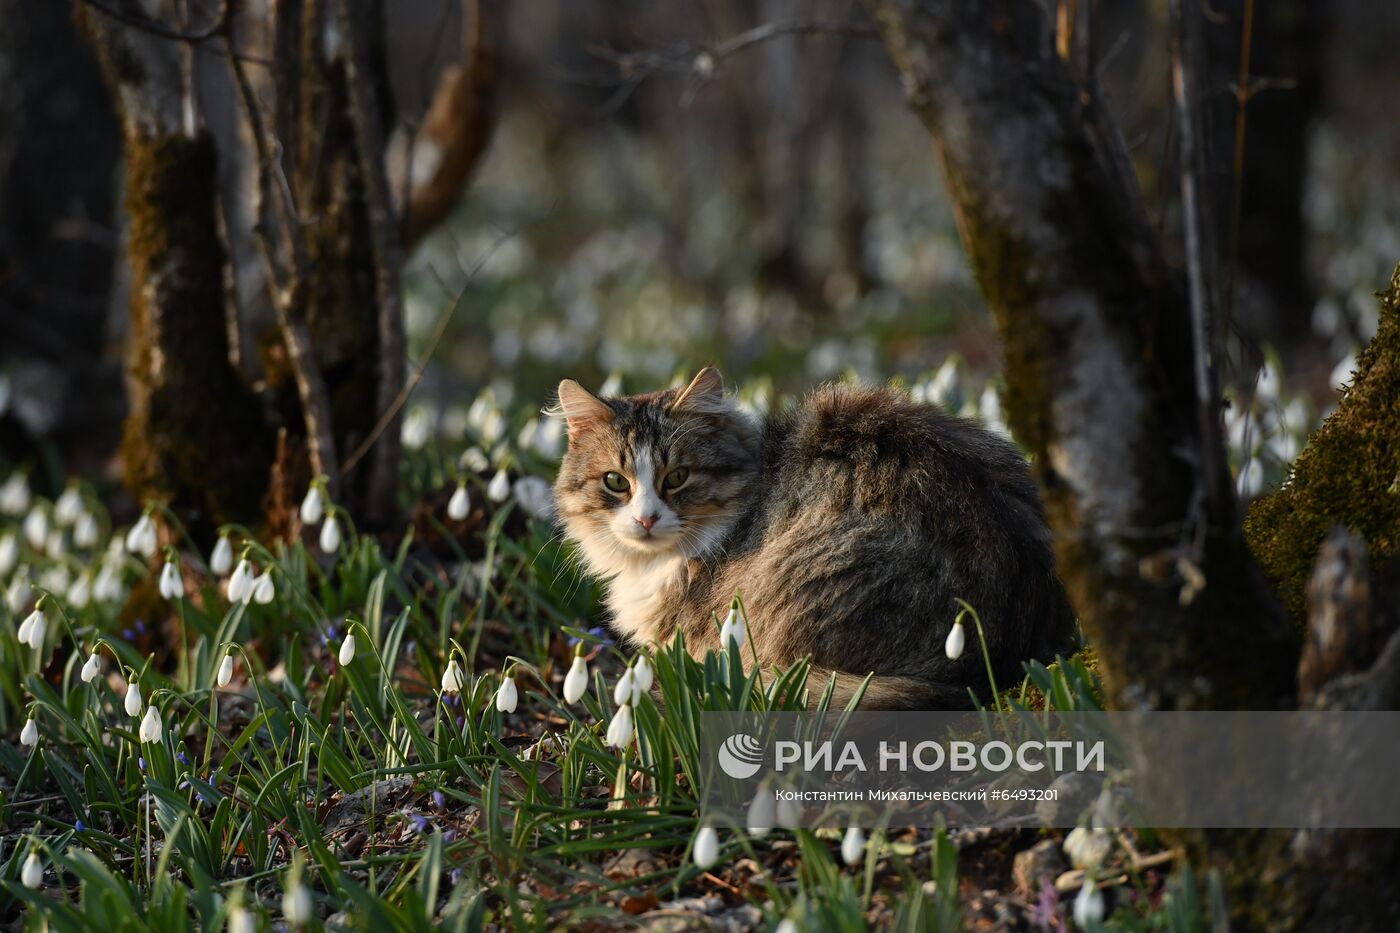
581	408
705	394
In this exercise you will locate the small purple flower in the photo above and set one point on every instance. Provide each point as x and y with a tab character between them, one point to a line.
420	822
140	626
456	876
439	799
182	757
597	632
141	763
449	835
183	785
453	699
79	826
1046	913
128	634
332	633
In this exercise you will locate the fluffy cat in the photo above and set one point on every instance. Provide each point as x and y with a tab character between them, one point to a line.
851	523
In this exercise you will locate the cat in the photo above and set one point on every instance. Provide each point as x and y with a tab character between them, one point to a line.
851	523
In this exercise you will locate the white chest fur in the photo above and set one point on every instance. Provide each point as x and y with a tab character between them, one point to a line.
637	595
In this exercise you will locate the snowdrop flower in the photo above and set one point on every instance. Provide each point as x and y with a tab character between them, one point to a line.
133	703
507	696
313	506
498	490
35	626
1341	374
1250	482
68	506
9	553
91	668
475	460
330	536
946	386
29	735
221	559
785	925
789	814
989	408
151	727
762	813
1088	905
1087	848
14	495
240	585
549	439
240	920
85	530
347	651
705	850
493	428
853	846
535	496
611	386
620	729
80	593
1269	382
19	591
172	587
141	539
957	640
32	874
460	504
56	578
225	670
296	903
733	628
452	678
262	589
417	429
642	673
36	527
108	585
576	681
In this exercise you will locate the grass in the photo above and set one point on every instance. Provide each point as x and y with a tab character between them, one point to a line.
363	796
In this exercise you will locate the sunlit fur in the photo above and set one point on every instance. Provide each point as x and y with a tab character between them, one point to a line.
851	524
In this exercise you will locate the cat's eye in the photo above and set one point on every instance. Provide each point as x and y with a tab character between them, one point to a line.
615	482
676	478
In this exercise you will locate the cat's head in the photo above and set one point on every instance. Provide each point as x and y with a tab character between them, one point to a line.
653	476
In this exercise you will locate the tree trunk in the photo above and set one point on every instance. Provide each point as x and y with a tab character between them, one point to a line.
1099	360
194	436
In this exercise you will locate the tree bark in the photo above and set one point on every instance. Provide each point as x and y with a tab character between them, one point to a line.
194	436
1099	359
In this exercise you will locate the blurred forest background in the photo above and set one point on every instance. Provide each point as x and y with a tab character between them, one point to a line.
658	186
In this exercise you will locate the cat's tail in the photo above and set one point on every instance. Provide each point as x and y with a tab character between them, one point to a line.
886	692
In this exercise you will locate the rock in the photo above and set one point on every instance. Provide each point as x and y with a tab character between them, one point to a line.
1035	865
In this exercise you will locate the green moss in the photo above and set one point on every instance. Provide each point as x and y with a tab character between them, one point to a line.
1349	473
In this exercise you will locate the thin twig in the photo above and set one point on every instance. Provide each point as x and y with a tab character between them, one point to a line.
138	19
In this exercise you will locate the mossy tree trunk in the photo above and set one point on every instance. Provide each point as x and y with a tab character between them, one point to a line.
1099	367
194	435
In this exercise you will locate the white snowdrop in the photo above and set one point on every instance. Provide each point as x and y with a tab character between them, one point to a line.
171	586
151	727
14	495
133	704
68	506
789	813
612	386
263	589
989	409
296	904
240	585
312	506
347	651
141	538
225	670
957	640
576	681
221	558
108	585
452	681
785	925
55	545
29	735
417	429
1250	482
241	920
643	674
80	592
625	691
762	813
36	527
1342	373
475	460
534	496
459	506
91	668
9	553
620	730
498	490
1088	905
549	439
853	846
33	629
733	628
85	530
1269	382
32	874
704	852
330	536
1087	848
19	591
946	386
507	696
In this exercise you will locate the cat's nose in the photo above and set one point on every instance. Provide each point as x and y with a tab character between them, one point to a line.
646	521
